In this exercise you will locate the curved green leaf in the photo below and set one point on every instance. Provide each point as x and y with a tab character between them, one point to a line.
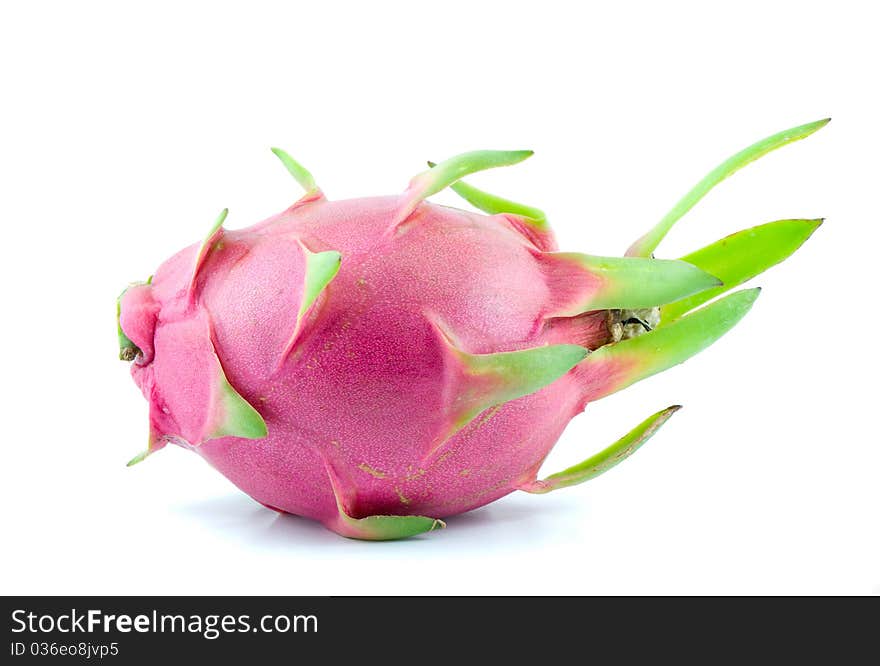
600	463
494	205
646	245
447	172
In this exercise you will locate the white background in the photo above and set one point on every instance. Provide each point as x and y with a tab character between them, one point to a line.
125	128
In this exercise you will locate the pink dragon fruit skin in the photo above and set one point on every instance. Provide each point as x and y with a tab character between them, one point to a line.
378	364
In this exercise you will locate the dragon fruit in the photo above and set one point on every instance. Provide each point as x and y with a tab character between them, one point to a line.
379	364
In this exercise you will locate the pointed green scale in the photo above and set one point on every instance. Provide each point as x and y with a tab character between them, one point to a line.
321	268
154	443
234	417
581	282
632	360
740	257
300	174
646	245
446	173
205	248
487	380
493	379
387	528
494	205
378	527
140	457
606	459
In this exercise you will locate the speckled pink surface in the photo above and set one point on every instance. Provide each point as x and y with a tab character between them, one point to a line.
354	410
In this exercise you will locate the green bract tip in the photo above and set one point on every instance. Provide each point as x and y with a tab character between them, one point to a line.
235	416
320	269
297	170
205	249
140	457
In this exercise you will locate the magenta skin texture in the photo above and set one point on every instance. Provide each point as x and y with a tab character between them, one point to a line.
360	409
